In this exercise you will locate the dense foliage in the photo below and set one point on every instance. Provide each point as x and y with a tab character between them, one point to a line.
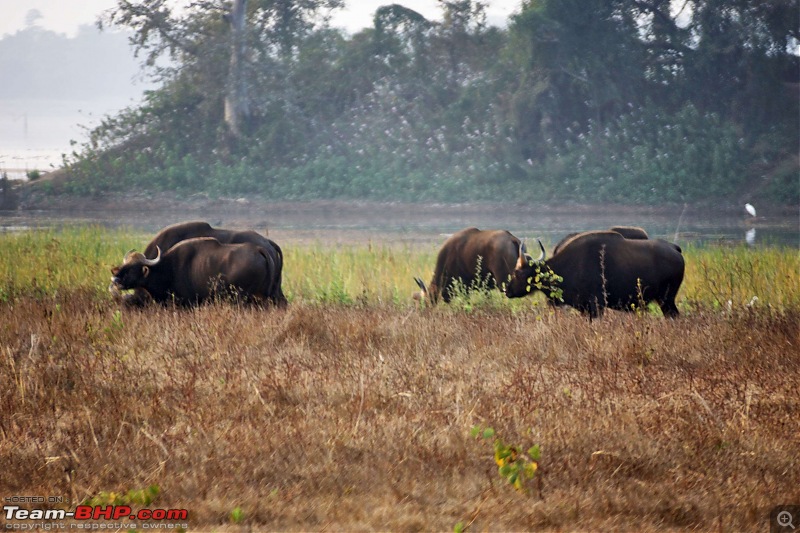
589	100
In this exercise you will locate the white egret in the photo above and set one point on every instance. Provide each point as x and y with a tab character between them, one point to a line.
750	209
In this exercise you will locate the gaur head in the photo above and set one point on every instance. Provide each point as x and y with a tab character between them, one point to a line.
133	272
528	274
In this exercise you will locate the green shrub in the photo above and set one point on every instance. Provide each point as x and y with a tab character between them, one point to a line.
648	156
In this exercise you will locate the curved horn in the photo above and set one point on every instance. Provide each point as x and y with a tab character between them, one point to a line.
153	262
128	255
543	256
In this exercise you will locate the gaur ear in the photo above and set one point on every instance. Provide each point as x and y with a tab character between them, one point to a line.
115	270
146	270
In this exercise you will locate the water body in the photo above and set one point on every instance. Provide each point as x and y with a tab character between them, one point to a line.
34	134
362	222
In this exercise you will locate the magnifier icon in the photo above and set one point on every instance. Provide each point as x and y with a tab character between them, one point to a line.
785	519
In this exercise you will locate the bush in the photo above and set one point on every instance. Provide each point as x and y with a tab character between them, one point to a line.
648	157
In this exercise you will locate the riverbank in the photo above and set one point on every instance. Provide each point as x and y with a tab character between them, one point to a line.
362	221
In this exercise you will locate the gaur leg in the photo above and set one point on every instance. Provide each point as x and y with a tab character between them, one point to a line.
669	308
595	309
667	304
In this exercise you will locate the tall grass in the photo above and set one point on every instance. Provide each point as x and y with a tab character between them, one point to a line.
726	278
382	274
46	262
339	417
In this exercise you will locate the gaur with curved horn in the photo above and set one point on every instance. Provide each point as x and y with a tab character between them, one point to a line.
196	270
133	255
172	235
602	269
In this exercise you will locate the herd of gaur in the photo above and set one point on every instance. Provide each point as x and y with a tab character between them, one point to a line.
620	268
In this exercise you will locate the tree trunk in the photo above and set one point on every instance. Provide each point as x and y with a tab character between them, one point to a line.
237	106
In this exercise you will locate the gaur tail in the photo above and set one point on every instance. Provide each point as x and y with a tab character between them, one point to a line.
423	290
273	278
422	286
280	298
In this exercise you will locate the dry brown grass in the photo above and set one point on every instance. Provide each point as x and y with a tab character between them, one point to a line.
331	417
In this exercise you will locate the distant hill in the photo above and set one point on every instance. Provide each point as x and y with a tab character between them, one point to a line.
41	64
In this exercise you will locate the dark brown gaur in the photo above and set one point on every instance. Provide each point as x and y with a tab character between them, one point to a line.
468	256
604	269
196	270
172	235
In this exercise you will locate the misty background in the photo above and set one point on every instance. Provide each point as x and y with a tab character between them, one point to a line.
54	86
60	77
652	102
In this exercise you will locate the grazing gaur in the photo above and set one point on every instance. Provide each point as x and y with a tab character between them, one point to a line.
604	269
195	270
172	235
629	232
458	259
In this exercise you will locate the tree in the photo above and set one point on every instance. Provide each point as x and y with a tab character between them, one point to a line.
255	36
463	22
237	108
576	60
624	98
744	53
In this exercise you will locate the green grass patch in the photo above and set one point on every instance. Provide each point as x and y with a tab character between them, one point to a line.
728	278
45	262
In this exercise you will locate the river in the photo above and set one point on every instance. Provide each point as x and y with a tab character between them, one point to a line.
362	222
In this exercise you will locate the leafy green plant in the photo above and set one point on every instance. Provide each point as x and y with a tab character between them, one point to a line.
546	281
514	466
117	323
334	292
479	293
236	515
649	156
143	497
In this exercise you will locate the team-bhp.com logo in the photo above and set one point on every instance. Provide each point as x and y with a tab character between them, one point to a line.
27	519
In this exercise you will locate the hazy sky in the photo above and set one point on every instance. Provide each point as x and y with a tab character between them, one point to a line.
64	16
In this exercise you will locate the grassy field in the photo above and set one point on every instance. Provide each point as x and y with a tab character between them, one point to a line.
354	410
45	263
